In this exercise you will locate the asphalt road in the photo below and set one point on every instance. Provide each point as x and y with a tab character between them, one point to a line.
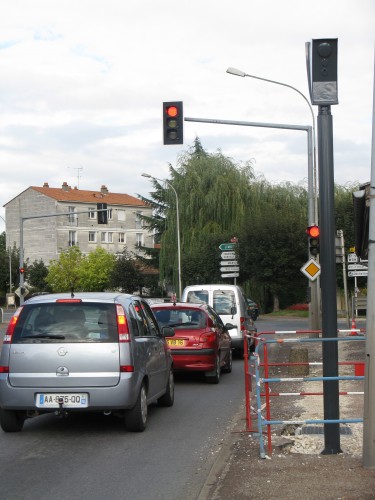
93	457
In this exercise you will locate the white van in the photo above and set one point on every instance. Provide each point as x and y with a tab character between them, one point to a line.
230	303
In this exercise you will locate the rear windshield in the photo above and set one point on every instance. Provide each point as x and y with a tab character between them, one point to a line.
181	318
66	322
224	302
197	297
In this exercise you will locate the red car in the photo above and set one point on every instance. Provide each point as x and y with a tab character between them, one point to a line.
201	342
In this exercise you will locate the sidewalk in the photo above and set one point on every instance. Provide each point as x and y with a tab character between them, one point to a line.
296	469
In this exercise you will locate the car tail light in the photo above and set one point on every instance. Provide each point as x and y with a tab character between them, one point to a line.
242	320
11	326
207	337
127	368
4	369
122	324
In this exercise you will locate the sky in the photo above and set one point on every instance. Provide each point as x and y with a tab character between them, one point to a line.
82	85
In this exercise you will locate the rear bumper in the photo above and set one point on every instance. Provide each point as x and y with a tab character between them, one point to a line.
122	396
195	360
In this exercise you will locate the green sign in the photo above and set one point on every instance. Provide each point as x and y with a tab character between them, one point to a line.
227	246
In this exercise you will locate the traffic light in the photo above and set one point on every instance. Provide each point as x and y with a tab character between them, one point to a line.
361	221
102	213
22	270
313	233
173	123
323	85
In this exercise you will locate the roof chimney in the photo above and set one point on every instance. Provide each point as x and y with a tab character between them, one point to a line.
65	186
46	185
104	189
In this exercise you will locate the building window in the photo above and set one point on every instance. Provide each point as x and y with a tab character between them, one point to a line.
109	214
106	237
138	221
72	238
92	213
72	217
92	236
121	238
121	215
139	240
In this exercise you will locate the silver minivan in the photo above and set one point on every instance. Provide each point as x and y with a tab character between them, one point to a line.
87	352
229	302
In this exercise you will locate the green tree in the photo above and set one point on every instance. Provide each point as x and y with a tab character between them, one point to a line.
125	275
64	274
37	275
96	270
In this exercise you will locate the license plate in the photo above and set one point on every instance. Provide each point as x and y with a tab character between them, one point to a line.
176	342
51	400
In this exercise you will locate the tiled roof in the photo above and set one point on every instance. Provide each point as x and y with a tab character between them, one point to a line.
66	193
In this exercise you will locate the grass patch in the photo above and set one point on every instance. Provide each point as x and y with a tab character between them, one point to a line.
289	313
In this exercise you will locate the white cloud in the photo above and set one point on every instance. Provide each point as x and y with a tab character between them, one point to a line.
82	85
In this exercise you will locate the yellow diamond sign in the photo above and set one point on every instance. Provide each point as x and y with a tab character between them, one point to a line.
311	269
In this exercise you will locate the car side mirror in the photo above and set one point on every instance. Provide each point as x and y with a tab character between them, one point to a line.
229	326
167	331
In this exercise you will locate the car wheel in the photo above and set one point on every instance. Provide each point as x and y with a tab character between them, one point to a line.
136	418
214	376
12	420
228	365
168	398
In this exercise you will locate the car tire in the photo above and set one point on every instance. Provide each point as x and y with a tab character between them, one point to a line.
228	365
214	376
136	418
168	398
12	420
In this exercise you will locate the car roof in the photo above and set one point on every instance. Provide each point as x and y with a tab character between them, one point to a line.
84	296
180	305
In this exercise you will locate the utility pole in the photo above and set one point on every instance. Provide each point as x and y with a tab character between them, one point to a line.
322	77
369	409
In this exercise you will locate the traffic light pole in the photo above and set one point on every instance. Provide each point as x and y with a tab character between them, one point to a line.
328	279
314	316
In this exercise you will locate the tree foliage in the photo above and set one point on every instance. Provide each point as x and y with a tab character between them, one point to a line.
37	275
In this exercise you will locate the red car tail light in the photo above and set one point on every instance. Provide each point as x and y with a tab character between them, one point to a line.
122	324
207	337
11	326
242	320
4	369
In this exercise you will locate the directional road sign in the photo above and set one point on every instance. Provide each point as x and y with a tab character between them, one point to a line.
228	255
230	275
357	267
229	263
227	246
229	268
353	274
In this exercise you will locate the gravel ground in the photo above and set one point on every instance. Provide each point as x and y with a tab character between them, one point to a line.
296	469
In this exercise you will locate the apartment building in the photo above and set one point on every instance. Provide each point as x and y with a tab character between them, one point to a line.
53	219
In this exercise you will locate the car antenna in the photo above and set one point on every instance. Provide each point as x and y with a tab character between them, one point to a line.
72	293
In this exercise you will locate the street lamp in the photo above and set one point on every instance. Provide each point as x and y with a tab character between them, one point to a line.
177	227
312	191
313	211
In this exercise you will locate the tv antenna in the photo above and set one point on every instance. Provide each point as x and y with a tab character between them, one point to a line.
79	169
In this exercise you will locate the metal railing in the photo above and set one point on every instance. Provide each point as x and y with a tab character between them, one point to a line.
252	372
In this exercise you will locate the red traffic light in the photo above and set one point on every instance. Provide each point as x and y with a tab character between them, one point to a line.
22	270
172	111
173	120
313	231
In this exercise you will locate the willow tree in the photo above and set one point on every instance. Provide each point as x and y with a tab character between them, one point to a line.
274	244
213	198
